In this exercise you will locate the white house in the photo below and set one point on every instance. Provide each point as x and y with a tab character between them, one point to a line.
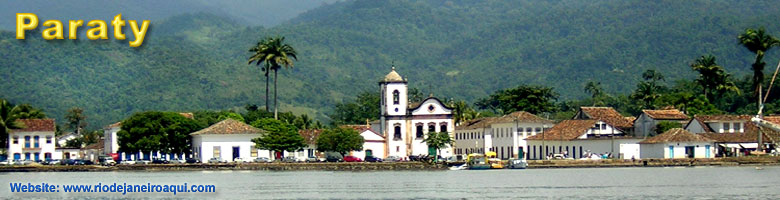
34	142
504	135
677	143
578	137
110	143
645	124
373	143
310	151
404	124
734	135
227	140
62	140
608	115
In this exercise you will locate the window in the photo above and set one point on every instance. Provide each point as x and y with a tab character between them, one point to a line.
726	127
397	132
538	129
395	97
603	126
27	142
443	127
310	152
253	151
397	149
431	127
528	130
27	155
36	141
216	152
47	156
737	127
419	131
16	139
48	139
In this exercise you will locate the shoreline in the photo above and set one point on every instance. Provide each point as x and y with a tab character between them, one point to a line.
397	166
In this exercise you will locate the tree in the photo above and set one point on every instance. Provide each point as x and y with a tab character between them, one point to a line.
437	141
365	107
758	42
76	119
279	136
168	132
259	56
8	121
276	54
596	93
341	140
648	90
532	99
230	115
712	77
664	126
26	111
461	112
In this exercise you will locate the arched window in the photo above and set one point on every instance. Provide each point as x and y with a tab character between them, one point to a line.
431	127
395	97
397	132
443	127
419	131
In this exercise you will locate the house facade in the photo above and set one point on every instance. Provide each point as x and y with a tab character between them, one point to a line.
645	123
504	135
404	125
608	115
110	140
734	135
677	143
578	138
227	140
35	142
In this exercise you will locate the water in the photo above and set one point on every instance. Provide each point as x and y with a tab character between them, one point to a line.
594	183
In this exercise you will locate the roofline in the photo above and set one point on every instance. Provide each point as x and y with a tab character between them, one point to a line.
426	99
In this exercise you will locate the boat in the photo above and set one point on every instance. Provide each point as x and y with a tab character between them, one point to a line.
518	164
494	161
477	162
459	167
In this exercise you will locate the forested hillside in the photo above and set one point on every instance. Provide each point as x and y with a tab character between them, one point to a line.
456	49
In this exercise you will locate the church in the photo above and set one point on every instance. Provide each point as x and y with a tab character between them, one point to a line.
405	124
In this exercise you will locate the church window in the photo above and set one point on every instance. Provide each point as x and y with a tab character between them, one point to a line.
432	127
395	97
443	127
397	132
419	131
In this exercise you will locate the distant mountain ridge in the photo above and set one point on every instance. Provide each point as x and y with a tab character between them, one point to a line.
451	48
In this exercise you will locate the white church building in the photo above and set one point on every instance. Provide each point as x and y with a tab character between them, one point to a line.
404	124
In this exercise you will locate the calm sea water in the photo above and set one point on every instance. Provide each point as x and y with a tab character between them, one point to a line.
596	183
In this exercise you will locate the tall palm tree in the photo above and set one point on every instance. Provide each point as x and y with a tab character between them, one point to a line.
258	56
758	42
8	121
594	88
712	77
276	54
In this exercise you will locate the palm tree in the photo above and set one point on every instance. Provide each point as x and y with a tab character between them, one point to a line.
258	57
758	42
712	77
276	54
594	88
8	121
438	140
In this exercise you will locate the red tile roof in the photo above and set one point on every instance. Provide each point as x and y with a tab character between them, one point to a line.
665	114
310	135
114	125
608	115
35	125
676	135
565	130
228	126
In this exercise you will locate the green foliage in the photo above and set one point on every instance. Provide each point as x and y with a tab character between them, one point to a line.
712	77
279	136
365	107
76	120
230	115
664	126
7	121
758	42
532	99
275	53
341	140
438	140
168	132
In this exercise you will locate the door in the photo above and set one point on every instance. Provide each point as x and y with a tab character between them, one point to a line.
17	156
520	153
236	150
671	151
707	151
369	153
689	152
37	156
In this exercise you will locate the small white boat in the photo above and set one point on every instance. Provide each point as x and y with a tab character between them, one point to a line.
459	167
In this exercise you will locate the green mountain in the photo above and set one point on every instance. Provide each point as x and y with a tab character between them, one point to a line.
455	49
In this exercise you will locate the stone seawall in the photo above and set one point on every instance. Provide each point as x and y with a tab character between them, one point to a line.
231	166
654	162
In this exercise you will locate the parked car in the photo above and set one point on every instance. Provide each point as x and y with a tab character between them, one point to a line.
159	161
372	159
177	161
50	161
5	162
216	160
68	162
83	162
239	160
261	160
143	162
290	159
393	159
333	157
192	160
106	161
312	159
352	159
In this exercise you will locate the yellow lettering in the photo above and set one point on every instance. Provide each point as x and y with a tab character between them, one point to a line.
118	23
73	28
101	27
21	26
139	34
57	29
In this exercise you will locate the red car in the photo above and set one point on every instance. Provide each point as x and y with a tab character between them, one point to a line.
352	159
